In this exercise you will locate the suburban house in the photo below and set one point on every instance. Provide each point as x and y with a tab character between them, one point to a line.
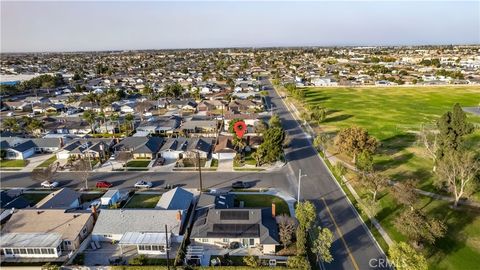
205	127
323	81
249	227
64	198
160	125
250	119
183	104
67	126
48	234
83	148
210	105
140	147
176	199
143	228
18	105
202	146
173	148
224	149
244	106
23	148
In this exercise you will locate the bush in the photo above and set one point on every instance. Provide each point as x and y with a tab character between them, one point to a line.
139	260
298	262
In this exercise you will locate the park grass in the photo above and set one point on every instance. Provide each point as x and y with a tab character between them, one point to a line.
263	200
138	163
48	162
13	163
143	201
393	115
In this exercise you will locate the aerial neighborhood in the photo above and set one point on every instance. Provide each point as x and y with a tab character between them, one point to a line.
196	157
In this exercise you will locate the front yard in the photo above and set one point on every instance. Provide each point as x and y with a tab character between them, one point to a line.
48	162
263	200
143	201
141	163
14	163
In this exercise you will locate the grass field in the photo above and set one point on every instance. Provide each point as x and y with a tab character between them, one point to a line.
143	201
261	200
13	163
393	115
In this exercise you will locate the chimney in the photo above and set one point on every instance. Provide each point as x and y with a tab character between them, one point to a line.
273	210
94	212
179	215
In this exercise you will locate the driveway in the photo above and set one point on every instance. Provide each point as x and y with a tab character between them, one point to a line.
35	160
225	165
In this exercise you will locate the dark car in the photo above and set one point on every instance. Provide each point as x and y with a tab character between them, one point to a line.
103	184
240	184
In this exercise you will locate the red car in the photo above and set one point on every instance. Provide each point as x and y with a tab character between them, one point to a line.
103	184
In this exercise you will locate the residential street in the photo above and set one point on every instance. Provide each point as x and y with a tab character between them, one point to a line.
353	247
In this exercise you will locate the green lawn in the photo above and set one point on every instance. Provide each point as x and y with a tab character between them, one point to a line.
214	163
13	163
393	115
261	200
143	201
143	163
34	198
48	162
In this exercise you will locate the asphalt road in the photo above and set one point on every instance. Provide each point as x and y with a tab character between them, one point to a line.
354	247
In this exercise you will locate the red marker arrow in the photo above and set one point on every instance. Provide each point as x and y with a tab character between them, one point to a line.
240	128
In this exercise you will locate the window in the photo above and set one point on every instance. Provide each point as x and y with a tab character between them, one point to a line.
16	251
23	251
84	231
51	251
67	242
154	247
148	247
36	250
162	249
141	247
44	250
8	251
30	251
225	240
252	241
204	240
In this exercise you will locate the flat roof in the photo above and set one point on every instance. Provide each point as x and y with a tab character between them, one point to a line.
144	238
30	240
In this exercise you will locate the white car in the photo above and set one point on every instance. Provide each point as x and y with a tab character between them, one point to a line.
48	184
143	184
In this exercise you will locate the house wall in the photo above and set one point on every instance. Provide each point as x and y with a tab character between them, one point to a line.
143	155
269	249
224	155
227	241
12	154
16	252
170	154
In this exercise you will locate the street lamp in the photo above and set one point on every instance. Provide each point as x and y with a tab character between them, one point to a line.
300	175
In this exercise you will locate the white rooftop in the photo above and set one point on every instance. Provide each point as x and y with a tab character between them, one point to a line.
144	238
30	240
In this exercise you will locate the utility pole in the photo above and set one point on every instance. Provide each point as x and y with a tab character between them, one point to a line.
300	175
166	246
199	171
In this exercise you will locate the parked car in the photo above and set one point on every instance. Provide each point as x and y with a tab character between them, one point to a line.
10	114
103	184
240	184
48	184
143	184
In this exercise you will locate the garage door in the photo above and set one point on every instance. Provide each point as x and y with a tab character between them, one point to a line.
226	155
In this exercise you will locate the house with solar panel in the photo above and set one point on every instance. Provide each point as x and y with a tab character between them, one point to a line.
232	228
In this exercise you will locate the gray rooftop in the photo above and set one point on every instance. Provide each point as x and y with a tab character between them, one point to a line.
27	240
175	199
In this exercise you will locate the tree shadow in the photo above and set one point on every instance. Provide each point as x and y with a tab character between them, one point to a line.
393	162
338	118
397	143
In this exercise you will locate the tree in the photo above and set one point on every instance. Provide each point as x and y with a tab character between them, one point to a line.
148	91
457	173
260	127
239	143
232	123
45	174
404	193
339	169
129	121
321	141
322	243
83	167
404	257
298	262
364	162
374	182
275	122
173	90
271	148
452	126
301	237
141	107
91	118
355	140
318	114
251	261
418	227
428	137
11	124
306	214
286	228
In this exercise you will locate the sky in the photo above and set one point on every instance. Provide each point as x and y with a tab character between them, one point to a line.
128	25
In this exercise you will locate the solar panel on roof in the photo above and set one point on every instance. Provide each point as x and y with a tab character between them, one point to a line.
234	215
234	230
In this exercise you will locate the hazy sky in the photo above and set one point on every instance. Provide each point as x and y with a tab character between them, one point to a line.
73	26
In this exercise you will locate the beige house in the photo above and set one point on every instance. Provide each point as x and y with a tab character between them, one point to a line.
44	233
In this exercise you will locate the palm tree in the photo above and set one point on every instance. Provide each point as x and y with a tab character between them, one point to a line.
11	124
129	120
114	117
89	116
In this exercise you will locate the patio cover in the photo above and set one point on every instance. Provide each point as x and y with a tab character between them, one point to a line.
145	238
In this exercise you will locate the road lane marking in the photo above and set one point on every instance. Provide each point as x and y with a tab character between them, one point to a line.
354	262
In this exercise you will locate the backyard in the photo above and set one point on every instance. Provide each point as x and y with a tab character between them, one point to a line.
393	115
143	201
263	200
